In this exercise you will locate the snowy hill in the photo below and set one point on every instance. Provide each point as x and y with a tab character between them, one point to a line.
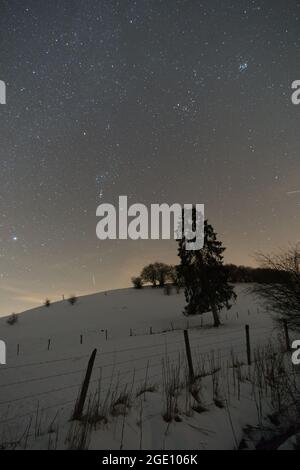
117	311
140	346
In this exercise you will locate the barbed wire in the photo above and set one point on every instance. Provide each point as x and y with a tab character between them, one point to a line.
145	331
256	332
31	364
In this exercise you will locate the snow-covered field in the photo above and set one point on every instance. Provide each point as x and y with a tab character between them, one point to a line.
140	351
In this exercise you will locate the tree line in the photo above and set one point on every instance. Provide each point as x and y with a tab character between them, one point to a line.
208	282
159	274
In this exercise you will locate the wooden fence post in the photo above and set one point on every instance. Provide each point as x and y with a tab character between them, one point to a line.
189	356
248	345
80	339
77	414
286	335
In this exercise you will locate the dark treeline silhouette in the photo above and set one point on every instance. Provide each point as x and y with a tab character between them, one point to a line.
152	274
258	275
158	275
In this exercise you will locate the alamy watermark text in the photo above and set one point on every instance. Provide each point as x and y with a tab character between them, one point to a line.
163	222
2	353
2	92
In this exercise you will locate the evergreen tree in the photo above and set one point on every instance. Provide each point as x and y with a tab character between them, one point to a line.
205	276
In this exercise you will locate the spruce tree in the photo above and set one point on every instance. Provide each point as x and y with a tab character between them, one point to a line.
205	276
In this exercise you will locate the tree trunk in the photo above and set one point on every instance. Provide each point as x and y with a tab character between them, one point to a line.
215	313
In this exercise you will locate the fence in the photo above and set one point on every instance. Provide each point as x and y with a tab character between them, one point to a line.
51	386
94	336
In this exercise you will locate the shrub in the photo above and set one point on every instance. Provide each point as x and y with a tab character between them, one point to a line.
72	299
12	319
47	303
137	282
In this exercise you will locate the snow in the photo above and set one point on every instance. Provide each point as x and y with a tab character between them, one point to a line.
292	443
138	334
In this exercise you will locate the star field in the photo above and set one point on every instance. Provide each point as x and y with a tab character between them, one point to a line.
162	101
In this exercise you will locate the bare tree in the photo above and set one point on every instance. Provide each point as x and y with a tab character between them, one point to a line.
149	274
156	273
282	296
137	282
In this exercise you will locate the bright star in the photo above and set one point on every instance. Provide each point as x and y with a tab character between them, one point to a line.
243	66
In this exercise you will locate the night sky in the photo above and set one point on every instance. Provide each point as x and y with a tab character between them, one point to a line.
163	101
